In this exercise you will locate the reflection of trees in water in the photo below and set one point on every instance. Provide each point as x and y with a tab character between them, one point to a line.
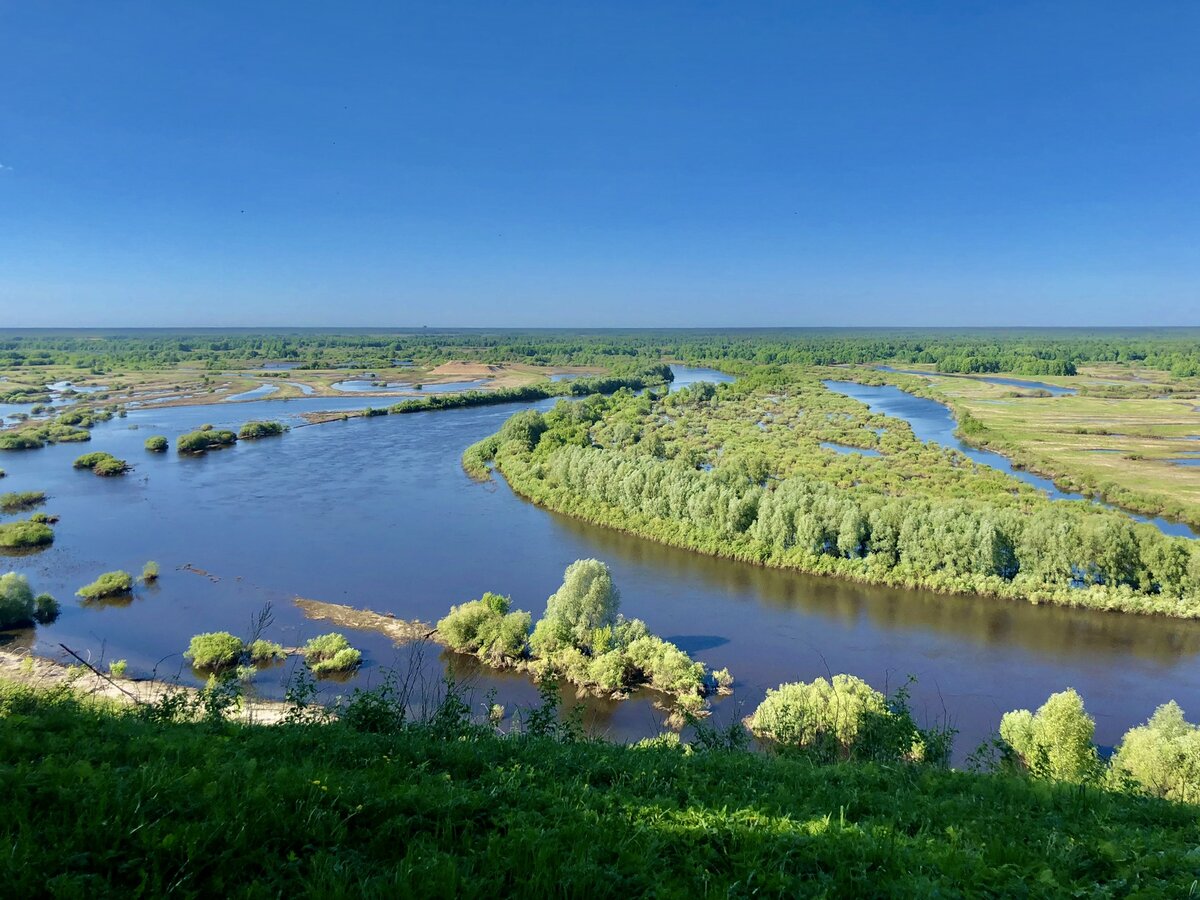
1048	630
18	639
476	678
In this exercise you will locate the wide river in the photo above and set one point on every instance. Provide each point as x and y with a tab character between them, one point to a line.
378	513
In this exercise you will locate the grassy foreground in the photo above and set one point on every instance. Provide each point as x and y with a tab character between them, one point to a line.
103	801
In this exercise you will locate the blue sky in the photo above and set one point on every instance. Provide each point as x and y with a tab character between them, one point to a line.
572	164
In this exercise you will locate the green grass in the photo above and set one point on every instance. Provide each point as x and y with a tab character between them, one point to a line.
104	802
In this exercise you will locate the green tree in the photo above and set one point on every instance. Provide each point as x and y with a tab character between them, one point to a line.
1056	741
586	601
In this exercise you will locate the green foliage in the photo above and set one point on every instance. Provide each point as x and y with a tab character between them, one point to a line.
20	501
215	651
1056	741
261	651
487	628
329	654
17	604
586	601
111	466
118	667
89	460
45	609
150	572
102	463
327	810
157	444
23	535
206	438
110	584
739	471
1161	757
802	714
253	430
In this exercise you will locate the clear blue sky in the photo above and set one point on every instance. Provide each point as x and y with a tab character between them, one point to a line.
603	163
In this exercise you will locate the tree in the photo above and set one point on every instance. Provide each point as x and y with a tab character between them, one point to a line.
1056	741
1162	756
587	600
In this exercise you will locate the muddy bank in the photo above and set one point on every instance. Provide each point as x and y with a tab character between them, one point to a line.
40	672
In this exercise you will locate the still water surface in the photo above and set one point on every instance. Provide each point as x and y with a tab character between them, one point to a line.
378	513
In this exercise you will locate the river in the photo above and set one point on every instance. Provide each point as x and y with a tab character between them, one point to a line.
378	513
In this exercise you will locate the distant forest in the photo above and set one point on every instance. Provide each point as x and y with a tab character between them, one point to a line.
1021	351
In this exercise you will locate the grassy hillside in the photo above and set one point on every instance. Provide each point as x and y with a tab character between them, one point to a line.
104	801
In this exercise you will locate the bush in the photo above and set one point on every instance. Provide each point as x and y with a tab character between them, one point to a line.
20	501
150	572
19	608
20	440
110	584
111	466
215	650
253	430
665	667
265	651
16	601
118	667
1056	741
45	609
22	535
156	444
330	653
820	712
102	463
487	628
203	440
89	460
1162	757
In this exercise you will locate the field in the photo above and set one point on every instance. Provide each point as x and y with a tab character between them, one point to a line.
1122	449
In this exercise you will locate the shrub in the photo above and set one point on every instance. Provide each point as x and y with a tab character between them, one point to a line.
611	671
111	466
203	440
20	440
45	609
20	501
110	584
1056	741
118	667
806	714
16	601
666	667
487	628
89	460
330	653
265	651
156	444
150	572
1162	757
19	607
21	535
102	463
252	430
215	650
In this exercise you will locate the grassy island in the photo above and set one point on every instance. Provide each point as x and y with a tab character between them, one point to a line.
205	439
